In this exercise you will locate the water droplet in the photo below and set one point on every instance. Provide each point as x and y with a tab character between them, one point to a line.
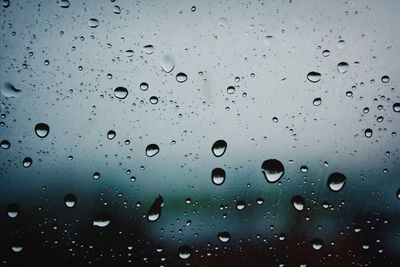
27	162
117	10
152	150
168	63
396	107
326	53
184	252
341	44
317	243
102	219
317	101
8	90
298	202
343	67
193	8
17	248
314	76
129	53
5	144
148	49
12	210
219	148
385	79
64	3
336	181
273	170
218	176
398	193
70	200
96	175
153	100
230	90
144	86
154	212
121	92
240	205
111	134
181	77
304	169
93	23
368	132
42	129
224	237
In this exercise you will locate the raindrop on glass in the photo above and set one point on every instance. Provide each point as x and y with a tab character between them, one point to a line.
42	130
385	79
184	252
144	86
102	220
317	101
93	23
111	134
120	92
219	148
336	181
273	170
218	176
27	162
314	76
298	202
154	212
343	67
230	90
167	63
152	150
181	77
224	237
70	200
5	144
317	243
368	132
12	210
64	3
396	107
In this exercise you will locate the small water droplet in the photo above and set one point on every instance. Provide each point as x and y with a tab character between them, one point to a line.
343	67
70	200
96	175
5	144
317	243
152	150
153	100
341	44
129	53
298	202
396	107
167	63
218	176
120	92
314	76
193	8
111	134
117	10
181	77
368	132
12	210
93	23
326	53
273	170
102	219
148	49
27	162
317	101
42	129
385	79
304	169
219	148
64	3
230	90
224	236
398	193
336	181
154	212
144	86
240	205
184	252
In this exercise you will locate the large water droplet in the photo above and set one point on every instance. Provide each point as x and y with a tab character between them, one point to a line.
167	63
368	132
148	49
326	53
154	212
17	248
343	67
8	90
314	76
224	237
273	170
42	129
27	162
64	3
317	101
336	181
298	202
96	175
144	86
385	79
218	176
117	10
152	150
219	148
120	92
181	77
5	144
184	252
317	243
70	200
396	107
12	210
230	90
93	23
240	205
111	134
102	219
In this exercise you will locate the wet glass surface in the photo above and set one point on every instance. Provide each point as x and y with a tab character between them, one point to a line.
200	133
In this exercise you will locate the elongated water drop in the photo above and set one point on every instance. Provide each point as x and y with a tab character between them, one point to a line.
167	63
154	212
218	176
152	150
102	219
93	23
273	170
298	202
219	148
336	181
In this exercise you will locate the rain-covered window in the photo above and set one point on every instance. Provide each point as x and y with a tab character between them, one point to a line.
199	133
